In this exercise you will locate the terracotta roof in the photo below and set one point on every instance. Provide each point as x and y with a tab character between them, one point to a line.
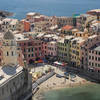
67	27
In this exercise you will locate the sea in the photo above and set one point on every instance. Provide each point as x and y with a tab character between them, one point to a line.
48	7
86	92
57	8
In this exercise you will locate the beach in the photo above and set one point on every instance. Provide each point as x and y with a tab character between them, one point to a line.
55	83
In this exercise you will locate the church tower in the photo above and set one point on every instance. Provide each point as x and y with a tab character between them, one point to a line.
9	49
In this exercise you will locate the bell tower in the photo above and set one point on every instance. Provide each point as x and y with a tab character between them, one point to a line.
9	49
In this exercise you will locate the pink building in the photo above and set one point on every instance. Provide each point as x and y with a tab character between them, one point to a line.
52	48
94	58
31	48
89	43
45	48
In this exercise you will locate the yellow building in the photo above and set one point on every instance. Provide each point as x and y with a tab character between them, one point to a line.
63	49
75	50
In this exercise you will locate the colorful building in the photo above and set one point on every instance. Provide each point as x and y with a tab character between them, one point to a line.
34	17
45	48
94	57
9	23
81	34
26	25
31	48
52	49
90	42
75	51
67	29
63	49
62	21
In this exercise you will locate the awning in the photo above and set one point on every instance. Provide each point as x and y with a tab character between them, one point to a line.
39	61
60	63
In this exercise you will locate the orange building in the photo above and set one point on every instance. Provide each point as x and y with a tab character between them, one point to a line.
26	25
67	29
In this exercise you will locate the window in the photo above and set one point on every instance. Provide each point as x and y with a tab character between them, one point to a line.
18	48
39	54
29	44
39	48
36	54
24	55
98	58
24	50
7	53
29	55
24	43
12	53
92	51
32	55
28	49
36	44
92	64
96	52
89	57
32	49
35	48
96	64
92	57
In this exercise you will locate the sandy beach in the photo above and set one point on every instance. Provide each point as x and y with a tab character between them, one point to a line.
55	83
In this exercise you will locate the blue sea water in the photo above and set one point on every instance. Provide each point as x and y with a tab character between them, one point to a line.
48	7
88	92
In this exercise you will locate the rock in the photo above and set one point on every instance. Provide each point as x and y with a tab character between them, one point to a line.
5	14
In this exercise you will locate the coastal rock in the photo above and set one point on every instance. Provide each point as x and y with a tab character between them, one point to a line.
5	14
